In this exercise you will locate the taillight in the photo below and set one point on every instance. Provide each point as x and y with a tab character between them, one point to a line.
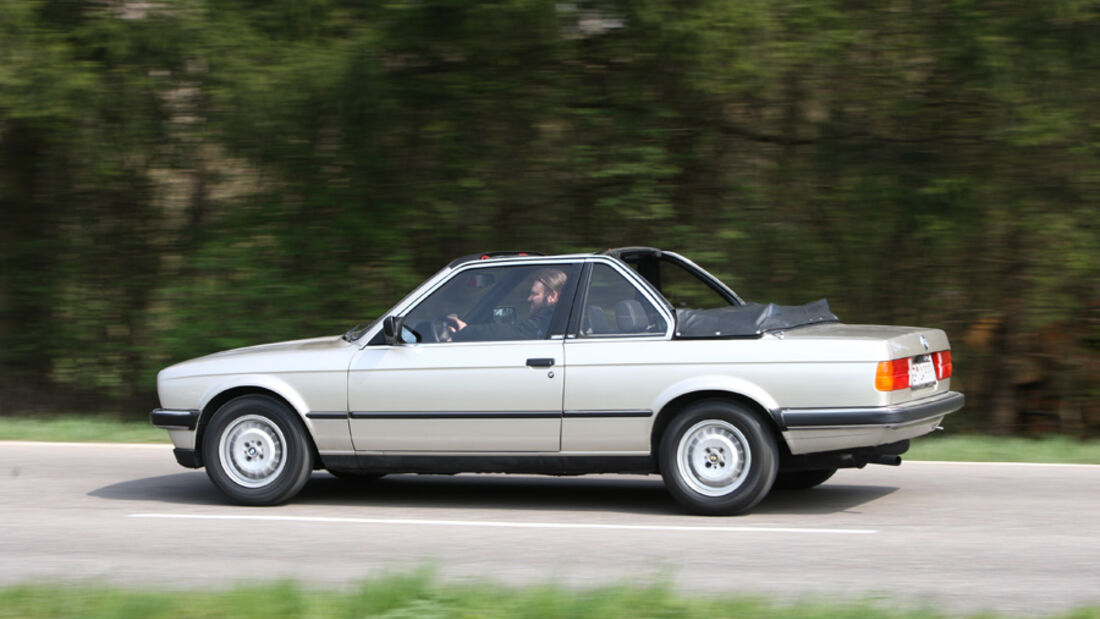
892	375
942	360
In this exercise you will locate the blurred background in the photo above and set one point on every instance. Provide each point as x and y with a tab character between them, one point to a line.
185	176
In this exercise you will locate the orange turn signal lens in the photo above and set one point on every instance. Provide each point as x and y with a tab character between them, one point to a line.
892	375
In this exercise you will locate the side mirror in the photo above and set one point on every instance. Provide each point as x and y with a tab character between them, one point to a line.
391	327
396	333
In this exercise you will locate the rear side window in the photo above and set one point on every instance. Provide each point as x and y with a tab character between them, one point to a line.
615	307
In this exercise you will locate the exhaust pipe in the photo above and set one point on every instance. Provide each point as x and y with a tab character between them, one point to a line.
887	459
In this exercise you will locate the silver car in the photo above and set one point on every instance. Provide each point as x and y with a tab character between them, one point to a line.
633	360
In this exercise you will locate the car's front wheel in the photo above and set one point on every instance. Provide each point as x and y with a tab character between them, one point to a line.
717	458
256	452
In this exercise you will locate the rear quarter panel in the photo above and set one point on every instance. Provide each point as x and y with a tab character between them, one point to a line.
834	370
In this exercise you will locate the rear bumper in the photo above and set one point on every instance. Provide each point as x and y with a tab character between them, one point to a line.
810	430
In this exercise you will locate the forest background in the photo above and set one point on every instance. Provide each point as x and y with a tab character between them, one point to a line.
185	176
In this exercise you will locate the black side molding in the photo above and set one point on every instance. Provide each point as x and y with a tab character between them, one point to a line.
454	415
326	415
599	414
174	419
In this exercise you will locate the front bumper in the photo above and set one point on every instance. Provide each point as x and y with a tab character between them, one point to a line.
174	419
810	430
181	424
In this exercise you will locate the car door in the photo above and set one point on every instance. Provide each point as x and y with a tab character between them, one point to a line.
498	391
617	352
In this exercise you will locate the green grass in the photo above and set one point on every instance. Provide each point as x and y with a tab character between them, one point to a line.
74	428
1052	449
418	596
935	447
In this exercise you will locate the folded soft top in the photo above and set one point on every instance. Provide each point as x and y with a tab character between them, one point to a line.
750	319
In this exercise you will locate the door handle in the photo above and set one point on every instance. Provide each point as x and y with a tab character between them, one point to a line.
541	362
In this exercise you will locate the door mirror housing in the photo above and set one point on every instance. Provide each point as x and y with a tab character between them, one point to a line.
396	333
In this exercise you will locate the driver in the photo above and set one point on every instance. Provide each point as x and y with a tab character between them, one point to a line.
545	292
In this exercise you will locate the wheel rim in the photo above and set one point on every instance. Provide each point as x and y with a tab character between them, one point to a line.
252	451
713	457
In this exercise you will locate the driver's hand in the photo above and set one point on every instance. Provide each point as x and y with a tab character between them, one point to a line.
454	323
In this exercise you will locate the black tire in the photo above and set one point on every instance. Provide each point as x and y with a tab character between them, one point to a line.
717	458
802	480
256	451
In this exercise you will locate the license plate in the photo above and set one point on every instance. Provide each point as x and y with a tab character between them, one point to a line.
922	372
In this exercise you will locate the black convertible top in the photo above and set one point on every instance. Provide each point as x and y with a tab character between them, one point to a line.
749	320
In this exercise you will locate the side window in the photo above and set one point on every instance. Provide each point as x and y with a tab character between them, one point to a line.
684	290
491	304
615	307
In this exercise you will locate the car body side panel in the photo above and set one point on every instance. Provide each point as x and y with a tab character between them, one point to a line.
637	375
645	374
457	396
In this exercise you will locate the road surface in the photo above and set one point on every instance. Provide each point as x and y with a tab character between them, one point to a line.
957	537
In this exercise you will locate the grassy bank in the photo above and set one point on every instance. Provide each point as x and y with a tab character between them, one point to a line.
935	447
74	428
420	597
1052	449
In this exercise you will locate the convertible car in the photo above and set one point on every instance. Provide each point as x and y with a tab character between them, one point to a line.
632	360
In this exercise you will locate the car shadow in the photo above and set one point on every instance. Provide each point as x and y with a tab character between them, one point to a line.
638	495
822	500
191	488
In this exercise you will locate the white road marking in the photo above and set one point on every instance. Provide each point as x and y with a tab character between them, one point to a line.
502	524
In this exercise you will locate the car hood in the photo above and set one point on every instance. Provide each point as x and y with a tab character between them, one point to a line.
314	354
311	344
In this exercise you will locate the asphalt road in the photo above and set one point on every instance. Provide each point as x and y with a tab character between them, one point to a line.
1018	539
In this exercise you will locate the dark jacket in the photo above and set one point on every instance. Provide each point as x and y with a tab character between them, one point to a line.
533	328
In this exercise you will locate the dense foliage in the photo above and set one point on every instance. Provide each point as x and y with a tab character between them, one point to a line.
184	176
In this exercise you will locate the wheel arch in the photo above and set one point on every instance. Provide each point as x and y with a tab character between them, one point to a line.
674	407
222	397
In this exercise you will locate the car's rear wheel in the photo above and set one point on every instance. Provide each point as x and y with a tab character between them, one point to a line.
256	452
802	480
717	458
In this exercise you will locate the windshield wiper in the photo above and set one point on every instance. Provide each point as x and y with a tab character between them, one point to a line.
356	332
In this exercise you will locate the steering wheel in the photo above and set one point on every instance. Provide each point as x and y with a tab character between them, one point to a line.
433	330
441	330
